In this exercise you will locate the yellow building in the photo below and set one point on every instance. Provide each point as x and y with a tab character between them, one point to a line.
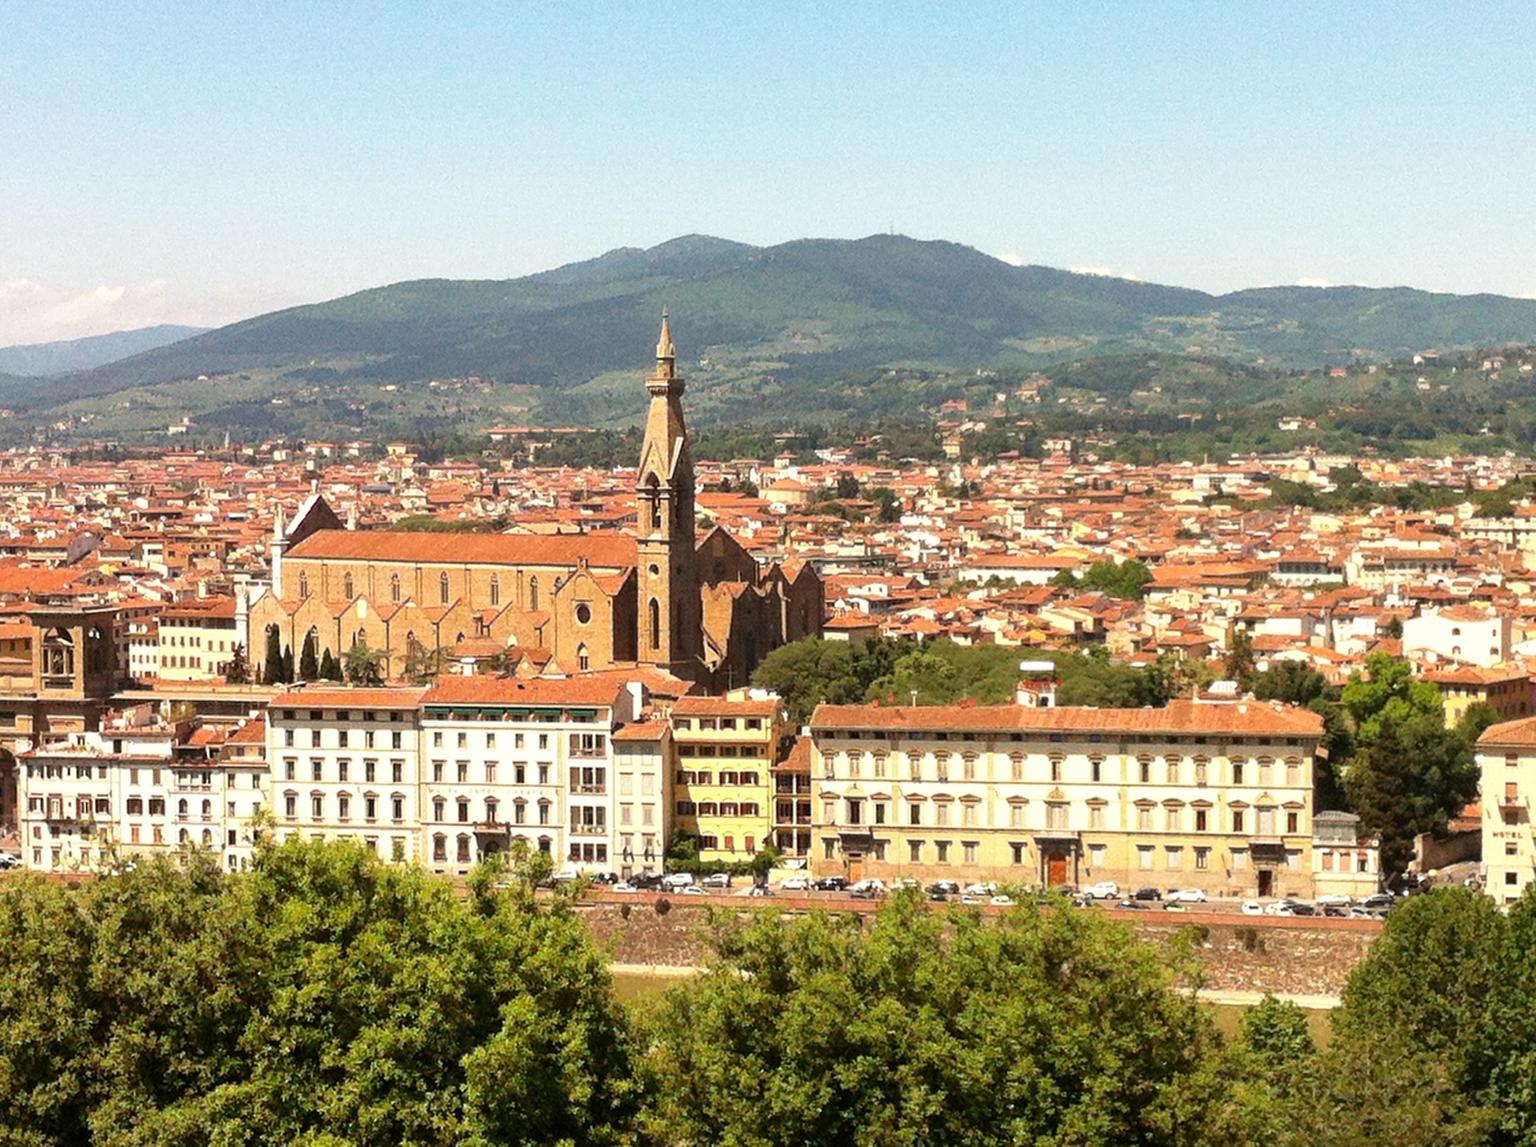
725	748
1508	691
1214	795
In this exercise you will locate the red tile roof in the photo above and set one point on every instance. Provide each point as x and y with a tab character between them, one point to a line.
602	550
1252	718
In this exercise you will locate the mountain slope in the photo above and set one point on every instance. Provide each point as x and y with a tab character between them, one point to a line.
799	313
41	359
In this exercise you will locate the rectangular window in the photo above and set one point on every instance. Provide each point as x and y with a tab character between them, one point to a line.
1239	859
1237	820
1202	858
1144	856
1173	858
915	851
1018	853
969	849
880	812
914	813
941	847
1096	855
1144	819
1292	823
1201	817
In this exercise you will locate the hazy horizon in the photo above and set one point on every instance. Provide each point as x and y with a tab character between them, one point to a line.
198	167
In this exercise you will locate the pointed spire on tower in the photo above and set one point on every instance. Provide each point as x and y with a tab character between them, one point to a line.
664	347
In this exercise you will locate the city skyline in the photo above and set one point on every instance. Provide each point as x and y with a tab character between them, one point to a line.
199	168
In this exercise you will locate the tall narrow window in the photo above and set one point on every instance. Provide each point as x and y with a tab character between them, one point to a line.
655	624
583	659
533	593
346	587
495	590
442	588
394	588
303	585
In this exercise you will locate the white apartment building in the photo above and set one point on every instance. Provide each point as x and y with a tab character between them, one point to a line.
643	756
137	787
522	759
1506	755
1466	634
345	765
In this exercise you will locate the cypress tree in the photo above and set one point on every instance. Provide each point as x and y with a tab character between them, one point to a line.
309	667
272	672
287	664
330	668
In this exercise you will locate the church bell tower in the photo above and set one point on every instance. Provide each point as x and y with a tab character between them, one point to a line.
671	618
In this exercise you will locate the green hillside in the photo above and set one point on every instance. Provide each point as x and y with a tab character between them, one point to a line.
809	327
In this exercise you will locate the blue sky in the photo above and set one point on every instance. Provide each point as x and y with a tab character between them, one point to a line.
191	162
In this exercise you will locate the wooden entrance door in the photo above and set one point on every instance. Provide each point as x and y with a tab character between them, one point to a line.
1266	882
855	867
1055	869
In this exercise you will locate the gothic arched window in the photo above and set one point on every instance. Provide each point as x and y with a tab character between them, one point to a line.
655	624
583	659
653	502
394	588
495	589
346	587
533	593
442	588
303	585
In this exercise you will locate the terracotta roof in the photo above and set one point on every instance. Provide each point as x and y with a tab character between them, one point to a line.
349	697
603	550
1519	734
1253	718
527	691
724	707
642	731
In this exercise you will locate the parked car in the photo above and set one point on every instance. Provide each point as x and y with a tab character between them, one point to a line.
1146	894
694	890
1378	902
1303	910
1335	900
717	880
1103	890
907	882
831	884
871	884
861	893
981	888
1333	910
759	890
677	880
1281	907
796	884
1187	895
1133	904
9	860
565	876
624	886
946	887
1001	900
1252	908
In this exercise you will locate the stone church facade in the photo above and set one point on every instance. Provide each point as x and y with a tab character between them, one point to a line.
701	609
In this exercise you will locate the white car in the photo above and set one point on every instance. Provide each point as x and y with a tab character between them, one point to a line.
1335	900
1186	896
1103	890
694	890
717	880
677	880
1280	907
1002	901
981	888
9	860
869	884
1252	908
623	886
796	884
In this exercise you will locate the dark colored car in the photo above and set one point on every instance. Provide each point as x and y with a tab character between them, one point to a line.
944	887
831	884
1303	910
862	894
1136	904
1334	910
1147	894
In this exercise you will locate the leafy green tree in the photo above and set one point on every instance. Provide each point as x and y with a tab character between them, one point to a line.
364	666
808	672
309	663
1276	1032
1043	1026
238	671
1128	579
1293	682
888	502
1475	721
1388	690
1410	778
921	676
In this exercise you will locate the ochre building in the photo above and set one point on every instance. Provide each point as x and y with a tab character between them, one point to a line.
701	609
